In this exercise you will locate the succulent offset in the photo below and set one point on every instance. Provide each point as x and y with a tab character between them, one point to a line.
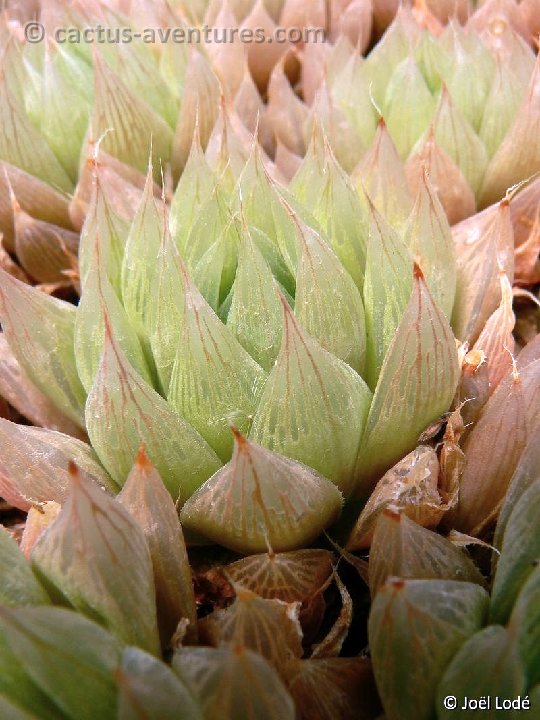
237	307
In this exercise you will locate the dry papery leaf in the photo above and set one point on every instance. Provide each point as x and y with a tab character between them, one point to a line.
411	486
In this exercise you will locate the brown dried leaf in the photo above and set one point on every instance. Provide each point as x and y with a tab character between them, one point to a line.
331	645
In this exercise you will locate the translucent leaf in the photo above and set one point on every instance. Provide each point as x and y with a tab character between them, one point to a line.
214	381
525	623
39	518
290	576
327	302
22	145
321	185
518	155
255	315
409	106
402	548
122	412
260	500
428	236
200	109
410	487
286	112
133	122
381	175
96	558
501	106
330	688
326	402
455	135
27	399
70	658
262	59
39	330
519	554
142	247
194	189
387	289
453	190
234	684
148	501
419	624
149	690
103	228
481	251
351	92
18	585
486	666
417	382
34	461
99	300
268	627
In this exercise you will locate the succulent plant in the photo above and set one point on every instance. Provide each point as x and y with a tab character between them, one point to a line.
245	338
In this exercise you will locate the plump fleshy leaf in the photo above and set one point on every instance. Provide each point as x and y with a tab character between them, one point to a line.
323	187
290	576
255	314
387	289
410	487
214	381
313	406
123	411
18	585
417	382
524	622
70	658
147	499
149	690
34	464
328	305
402	548
47	355
519	554
419	624
487	665
428	236
262	500
37	521
234	684
95	556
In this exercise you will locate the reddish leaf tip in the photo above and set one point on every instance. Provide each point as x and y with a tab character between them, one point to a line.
417	272
143	461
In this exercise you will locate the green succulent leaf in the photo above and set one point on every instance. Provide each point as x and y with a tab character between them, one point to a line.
9	711
149	690
144	495
214	381
260	500
40	332
313	406
487	665
525	623
123	411
519	554
255	315
234	683
95	557
70	658
420	625
18	585
416	385
387	290
327	303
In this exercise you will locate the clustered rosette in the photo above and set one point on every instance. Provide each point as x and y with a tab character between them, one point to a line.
280	330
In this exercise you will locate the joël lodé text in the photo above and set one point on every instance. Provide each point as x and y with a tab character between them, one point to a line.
486	702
